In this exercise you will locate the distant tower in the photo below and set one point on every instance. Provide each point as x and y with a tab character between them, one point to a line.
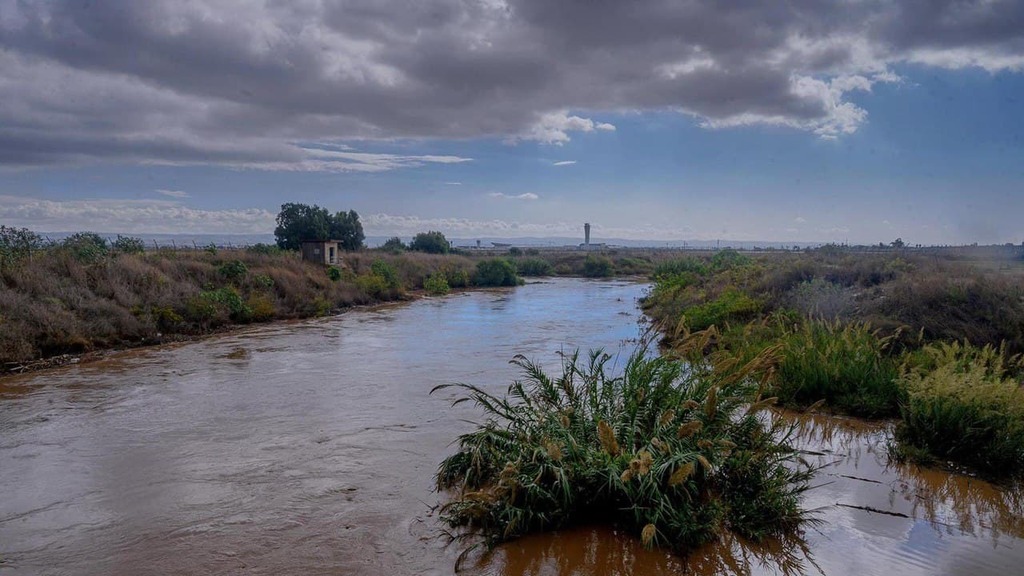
586	233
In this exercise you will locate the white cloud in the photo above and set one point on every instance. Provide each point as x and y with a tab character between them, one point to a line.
130	216
453	183
955	59
839	117
524	196
173	193
554	128
800	220
564	163
320	160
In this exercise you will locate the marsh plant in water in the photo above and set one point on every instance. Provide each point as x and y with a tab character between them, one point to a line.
965	404
674	453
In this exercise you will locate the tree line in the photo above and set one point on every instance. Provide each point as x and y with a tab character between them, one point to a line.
298	222
295	222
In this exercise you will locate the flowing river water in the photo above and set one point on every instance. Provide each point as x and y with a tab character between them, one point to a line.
309	448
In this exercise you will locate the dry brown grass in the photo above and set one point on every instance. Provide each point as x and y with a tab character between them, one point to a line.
56	304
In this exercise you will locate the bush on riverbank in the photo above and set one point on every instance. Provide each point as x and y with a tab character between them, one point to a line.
496	272
964	405
674	454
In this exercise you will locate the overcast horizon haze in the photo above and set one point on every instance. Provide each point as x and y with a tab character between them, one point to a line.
803	121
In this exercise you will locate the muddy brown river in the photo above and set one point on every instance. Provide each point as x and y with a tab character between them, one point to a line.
309	448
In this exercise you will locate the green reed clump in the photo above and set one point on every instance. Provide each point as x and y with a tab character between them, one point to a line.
673	453
964	405
847	365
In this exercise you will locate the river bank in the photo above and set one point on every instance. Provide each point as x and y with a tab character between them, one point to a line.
69	303
934	342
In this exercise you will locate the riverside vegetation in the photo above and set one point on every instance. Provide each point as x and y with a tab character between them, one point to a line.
85	293
930	340
674	449
673	453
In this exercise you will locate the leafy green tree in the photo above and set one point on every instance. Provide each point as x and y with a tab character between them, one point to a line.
431	242
345	226
298	222
394	244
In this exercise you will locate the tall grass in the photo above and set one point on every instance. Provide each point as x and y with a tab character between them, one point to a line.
83	296
673	453
964	404
846	365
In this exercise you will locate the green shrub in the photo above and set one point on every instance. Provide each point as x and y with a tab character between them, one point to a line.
729	258
534	267
689	265
388	273
129	245
264	249
456	277
321	306
167	319
86	247
372	285
597	266
431	242
515	251
233	270
334	273
204	311
964	405
731	305
495	272
261	307
263	281
230	300
436	284
673	454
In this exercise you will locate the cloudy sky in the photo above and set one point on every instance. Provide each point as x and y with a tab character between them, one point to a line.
853	120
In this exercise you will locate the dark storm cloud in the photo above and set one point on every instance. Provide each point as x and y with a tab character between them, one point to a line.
240	82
